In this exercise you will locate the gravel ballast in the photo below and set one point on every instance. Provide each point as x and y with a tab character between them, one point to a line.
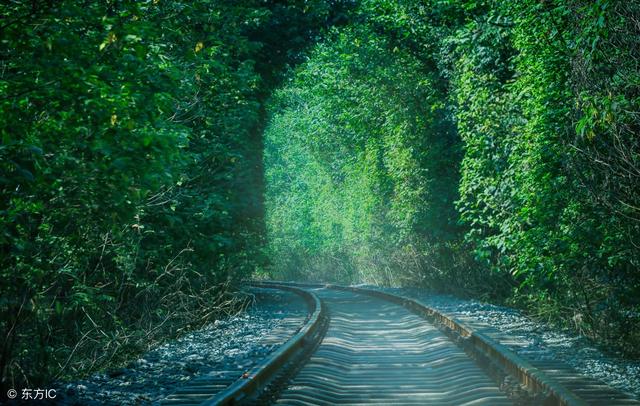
238	343
232	343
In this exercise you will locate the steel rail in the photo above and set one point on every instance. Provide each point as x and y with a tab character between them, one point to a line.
485	350
354	362
251	384
378	352
499	359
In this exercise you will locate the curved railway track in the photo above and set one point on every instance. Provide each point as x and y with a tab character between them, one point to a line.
361	346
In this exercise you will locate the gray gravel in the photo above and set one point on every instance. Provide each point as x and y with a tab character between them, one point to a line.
535	340
232	343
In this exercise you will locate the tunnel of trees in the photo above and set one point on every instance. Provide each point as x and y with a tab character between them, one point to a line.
154	154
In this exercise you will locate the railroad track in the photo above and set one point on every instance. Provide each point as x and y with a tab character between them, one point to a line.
362	346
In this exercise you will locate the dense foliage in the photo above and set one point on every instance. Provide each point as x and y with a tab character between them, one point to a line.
481	146
361	155
130	168
488	147
547	108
